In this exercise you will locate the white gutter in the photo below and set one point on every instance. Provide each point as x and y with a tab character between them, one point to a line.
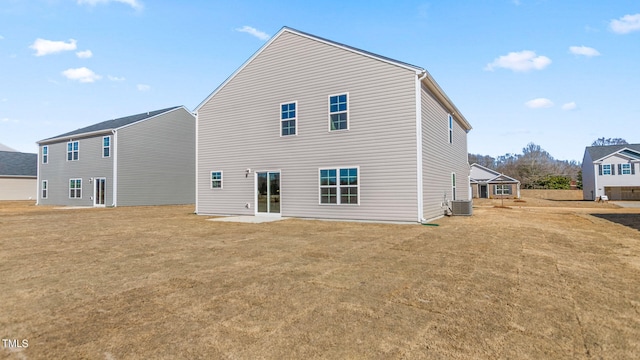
419	182
115	168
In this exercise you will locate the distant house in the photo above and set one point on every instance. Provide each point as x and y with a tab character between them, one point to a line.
613	171
18	176
490	184
309	127
143	159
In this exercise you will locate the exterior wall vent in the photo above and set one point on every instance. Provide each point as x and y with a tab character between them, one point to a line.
462	207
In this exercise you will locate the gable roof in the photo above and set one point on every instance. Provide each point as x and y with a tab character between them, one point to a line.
111	124
13	163
6	148
427	79
497	177
597	153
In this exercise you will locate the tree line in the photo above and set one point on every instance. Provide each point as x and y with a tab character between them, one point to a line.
535	168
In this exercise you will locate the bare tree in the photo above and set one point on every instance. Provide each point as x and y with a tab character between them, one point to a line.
609	141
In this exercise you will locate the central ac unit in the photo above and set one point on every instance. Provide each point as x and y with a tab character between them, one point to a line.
462	207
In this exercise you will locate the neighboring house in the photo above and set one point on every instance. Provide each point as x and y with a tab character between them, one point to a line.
612	170
143	159
6	148
490	184
308	127
18	175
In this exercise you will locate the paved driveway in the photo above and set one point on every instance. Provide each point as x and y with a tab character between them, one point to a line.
627	204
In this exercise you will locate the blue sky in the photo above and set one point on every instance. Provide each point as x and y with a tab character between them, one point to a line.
557	73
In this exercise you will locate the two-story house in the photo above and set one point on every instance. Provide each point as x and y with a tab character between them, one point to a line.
143	159
308	127
613	171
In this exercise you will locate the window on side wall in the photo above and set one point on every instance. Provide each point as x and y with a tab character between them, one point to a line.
339	186
216	179
75	188
45	189
450	119
288	118
106	146
453	185
338	112
45	154
73	151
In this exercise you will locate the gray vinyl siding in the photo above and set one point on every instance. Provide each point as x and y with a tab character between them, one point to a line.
441	158
239	128
156	160
588	177
58	171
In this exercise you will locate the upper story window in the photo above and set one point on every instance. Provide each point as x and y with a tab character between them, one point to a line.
339	186
606	169
216	179
106	146
45	154
288	119
450	129
72	151
339	112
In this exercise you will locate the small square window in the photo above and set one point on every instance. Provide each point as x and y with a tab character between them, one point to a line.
216	179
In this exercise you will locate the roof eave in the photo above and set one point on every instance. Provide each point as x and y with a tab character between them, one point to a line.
437	91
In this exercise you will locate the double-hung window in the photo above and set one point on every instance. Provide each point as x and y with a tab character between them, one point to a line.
45	154
453	185
73	151
502	189
216	179
106	146
625	169
75	188
606	169
339	186
450	129
45	189
339	112
288	119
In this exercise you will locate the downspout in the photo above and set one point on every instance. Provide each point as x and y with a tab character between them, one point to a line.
197	162
115	168
419	182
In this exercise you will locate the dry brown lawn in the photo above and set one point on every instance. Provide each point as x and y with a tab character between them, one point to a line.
537	280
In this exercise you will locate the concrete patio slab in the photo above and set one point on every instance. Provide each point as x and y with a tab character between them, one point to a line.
249	219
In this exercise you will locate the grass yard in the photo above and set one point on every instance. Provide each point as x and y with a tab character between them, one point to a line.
539	279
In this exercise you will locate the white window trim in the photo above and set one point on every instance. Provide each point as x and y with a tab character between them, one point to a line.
503	187
339	112
450	127
295	118
45	157
628	169
44	187
211	180
69	188
72	151
603	170
454	183
103	147
338	194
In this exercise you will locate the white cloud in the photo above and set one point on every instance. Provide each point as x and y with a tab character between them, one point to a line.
82	75
46	47
520	61
143	87
84	54
1	37
584	50
133	3
7	120
625	24
569	106
115	78
255	32
539	103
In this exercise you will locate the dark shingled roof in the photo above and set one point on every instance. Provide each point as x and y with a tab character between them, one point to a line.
14	163
113	124
598	152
